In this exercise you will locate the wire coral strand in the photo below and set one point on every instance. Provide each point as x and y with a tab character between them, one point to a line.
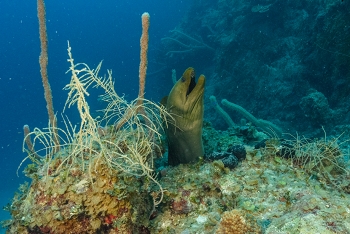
43	61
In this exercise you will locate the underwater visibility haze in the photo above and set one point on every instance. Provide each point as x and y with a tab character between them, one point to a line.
201	116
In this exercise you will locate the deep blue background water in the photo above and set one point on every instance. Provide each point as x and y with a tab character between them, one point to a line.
97	30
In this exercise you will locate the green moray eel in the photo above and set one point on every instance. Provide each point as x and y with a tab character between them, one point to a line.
185	104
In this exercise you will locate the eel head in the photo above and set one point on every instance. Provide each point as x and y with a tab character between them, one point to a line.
186	100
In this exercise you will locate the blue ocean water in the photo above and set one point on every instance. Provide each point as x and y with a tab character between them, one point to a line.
97	30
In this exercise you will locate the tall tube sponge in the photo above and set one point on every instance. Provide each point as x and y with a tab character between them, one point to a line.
143	55
145	18
43	61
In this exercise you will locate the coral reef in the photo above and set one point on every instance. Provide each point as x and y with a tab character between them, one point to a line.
267	56
101	180
71	203
265	193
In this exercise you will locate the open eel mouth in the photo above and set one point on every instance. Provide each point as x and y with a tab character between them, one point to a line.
192	83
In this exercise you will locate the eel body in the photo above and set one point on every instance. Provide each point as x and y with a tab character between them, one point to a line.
185	104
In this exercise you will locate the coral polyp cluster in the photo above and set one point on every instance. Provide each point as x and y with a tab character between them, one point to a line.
235	222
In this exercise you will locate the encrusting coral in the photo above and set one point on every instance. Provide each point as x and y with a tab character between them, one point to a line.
69	203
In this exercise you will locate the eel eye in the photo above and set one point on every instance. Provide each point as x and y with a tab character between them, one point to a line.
183	79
